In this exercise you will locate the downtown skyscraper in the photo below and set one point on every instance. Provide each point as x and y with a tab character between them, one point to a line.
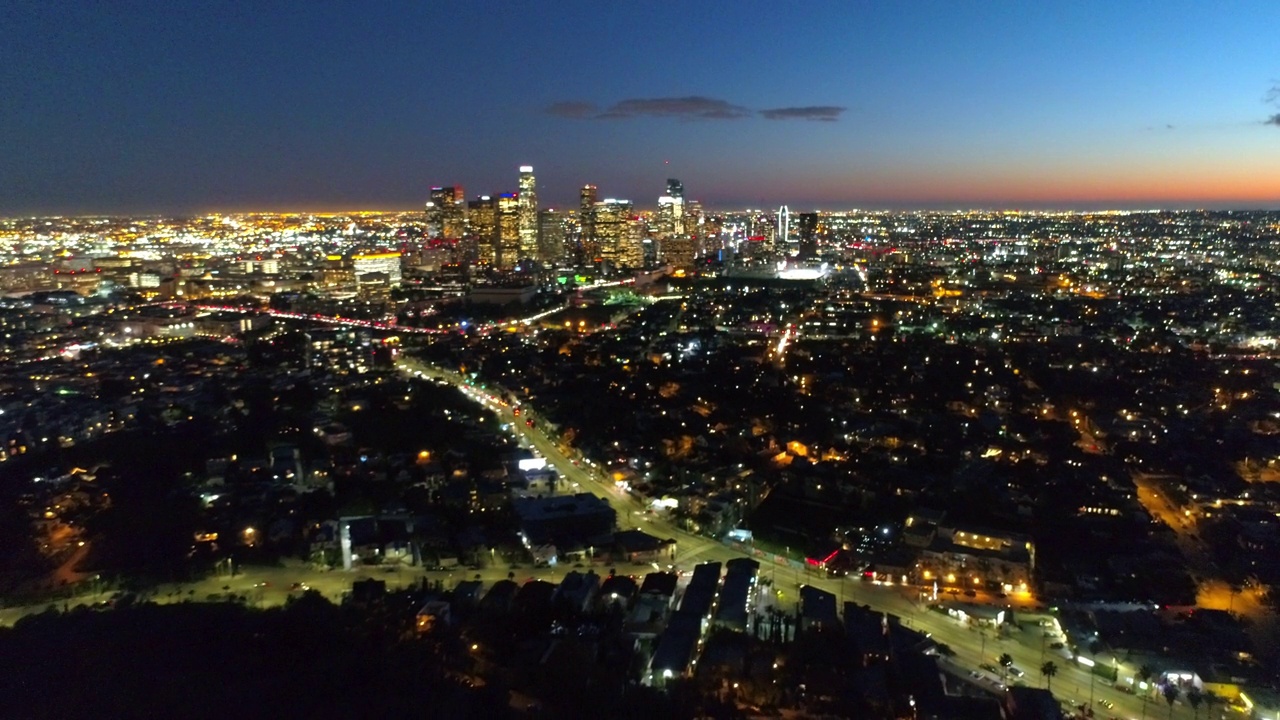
527	215
447	212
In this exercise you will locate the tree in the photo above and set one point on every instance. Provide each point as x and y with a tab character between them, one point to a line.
1194	698
1144	674
1006	662
1048	670
1209	699
1171	693
1094	648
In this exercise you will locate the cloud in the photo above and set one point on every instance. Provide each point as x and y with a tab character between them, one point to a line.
693	107
822	113
572	109
1273	120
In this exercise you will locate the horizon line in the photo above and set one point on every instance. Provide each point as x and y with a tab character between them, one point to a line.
958	209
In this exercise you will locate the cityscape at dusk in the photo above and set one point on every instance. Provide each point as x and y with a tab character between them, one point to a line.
898	361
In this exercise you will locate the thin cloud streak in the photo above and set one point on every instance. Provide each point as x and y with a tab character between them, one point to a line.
691	107
571	109
819	113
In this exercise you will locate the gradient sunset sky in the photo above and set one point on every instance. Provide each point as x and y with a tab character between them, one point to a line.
123	107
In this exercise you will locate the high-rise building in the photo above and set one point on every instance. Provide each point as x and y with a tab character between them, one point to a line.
482	228
551	236
588	246
447	212
618	233
671	209
693	219
807	229
508	251
387	263
528	213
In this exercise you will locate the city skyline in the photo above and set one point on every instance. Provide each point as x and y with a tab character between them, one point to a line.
189	110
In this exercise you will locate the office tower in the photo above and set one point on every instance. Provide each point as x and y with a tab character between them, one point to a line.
446	212
807	229
671	208
551	236
508	252
693	219
587	243
387	263
455	215
482	228
783	235
618	233
528	213
678	250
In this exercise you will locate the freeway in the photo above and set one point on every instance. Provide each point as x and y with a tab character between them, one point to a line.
1027	646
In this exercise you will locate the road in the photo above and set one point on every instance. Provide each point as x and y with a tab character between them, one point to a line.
1028	647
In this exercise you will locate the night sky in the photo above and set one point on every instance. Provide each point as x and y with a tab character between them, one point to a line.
121	107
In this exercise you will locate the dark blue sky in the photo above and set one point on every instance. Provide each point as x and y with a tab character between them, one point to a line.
174	106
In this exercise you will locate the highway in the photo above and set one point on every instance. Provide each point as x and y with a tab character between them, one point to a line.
1028	646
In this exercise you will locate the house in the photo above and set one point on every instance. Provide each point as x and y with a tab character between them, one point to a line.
434	614
817	609
500	596
577	590
640	546
617	590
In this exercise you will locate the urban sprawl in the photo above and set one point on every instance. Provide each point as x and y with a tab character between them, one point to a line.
612	459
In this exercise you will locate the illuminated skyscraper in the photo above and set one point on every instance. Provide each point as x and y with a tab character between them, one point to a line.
783	235
588	247
447	212
693	219
508	251
551	236
386	263
482	228
675	243
528	213
618	233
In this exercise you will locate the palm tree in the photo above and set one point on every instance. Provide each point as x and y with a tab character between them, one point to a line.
1209	700
1171	693
1094	648
1144	674
1006	662
1048	670
1194	698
